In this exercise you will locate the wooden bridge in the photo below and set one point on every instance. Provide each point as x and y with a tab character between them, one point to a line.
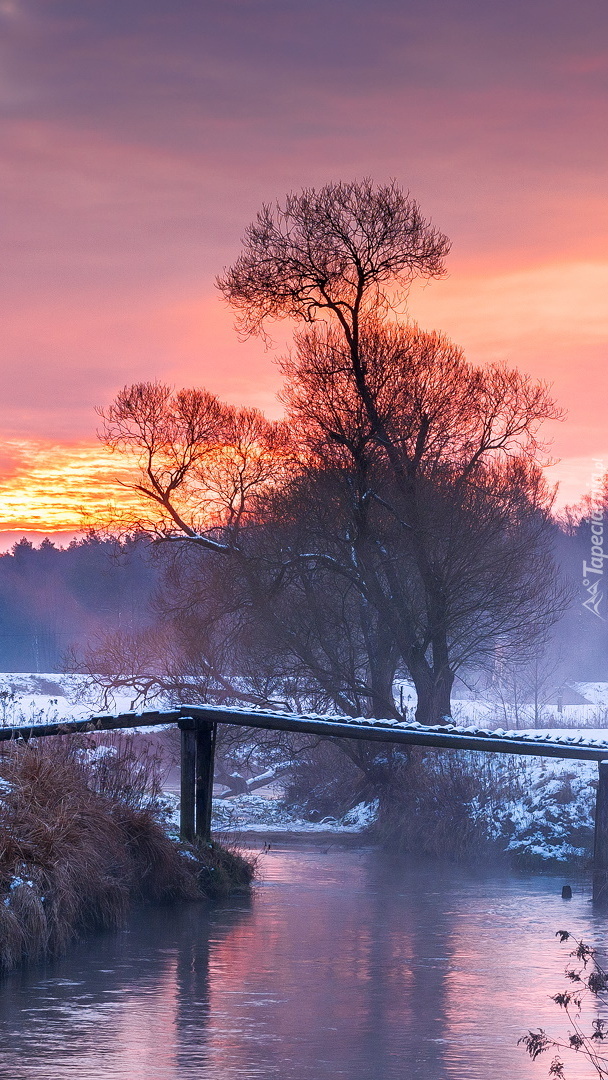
198	726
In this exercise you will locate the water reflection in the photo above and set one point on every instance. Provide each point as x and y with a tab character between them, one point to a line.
343	965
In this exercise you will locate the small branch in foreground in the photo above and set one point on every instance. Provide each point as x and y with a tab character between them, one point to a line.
589	983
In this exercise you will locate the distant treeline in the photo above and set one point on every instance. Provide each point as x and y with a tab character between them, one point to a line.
53	599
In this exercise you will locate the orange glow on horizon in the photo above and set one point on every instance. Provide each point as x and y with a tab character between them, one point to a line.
124	198
50	487
549	320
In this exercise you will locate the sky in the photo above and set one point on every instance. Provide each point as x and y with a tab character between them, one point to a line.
140	137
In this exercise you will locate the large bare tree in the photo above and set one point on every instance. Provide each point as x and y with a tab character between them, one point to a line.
347	250
399	520
451	453
440	516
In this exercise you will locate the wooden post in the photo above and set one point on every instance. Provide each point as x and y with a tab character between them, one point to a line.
188	781
600	846
205	751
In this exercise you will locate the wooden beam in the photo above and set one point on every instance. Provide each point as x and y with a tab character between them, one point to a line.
600	845
205	734
105	722
444	737
188	781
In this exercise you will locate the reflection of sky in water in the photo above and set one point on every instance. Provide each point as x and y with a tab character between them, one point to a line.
342	965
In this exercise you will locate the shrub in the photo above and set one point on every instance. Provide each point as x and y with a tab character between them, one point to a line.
444	804
78	844
323	782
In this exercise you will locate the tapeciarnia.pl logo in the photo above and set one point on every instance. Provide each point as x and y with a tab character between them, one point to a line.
593	571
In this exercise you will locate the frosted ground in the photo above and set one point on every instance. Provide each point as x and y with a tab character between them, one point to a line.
550	821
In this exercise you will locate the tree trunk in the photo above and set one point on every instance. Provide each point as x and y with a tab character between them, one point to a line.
442	698
433	690
382	703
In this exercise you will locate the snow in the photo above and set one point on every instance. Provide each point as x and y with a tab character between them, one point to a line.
38	698
49	697
594	692
551	820
254	813
17	882
251	813
43	697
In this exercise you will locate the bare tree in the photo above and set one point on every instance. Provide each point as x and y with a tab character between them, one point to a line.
443	523
204	466
524	689
208	473
400	520
421	551
346	250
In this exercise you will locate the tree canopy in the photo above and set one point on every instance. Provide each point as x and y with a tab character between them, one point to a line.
398	520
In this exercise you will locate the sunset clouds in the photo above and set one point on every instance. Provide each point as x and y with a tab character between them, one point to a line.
140	136
67	485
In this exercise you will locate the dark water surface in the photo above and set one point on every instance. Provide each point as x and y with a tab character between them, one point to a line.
341	965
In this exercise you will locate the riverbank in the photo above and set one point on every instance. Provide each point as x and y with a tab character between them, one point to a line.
534	813
81	841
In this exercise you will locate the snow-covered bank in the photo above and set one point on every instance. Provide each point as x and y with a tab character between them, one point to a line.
547	822
254	814
551	821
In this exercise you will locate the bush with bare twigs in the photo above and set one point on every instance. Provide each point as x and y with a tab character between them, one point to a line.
588	987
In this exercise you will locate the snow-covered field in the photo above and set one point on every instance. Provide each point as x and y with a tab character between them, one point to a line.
46	697
28	697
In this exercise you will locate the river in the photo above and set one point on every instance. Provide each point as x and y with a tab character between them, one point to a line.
343	964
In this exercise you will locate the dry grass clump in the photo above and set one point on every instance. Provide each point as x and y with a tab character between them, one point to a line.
73	857
439	804
224	870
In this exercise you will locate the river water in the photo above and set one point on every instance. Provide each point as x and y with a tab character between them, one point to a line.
343	964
